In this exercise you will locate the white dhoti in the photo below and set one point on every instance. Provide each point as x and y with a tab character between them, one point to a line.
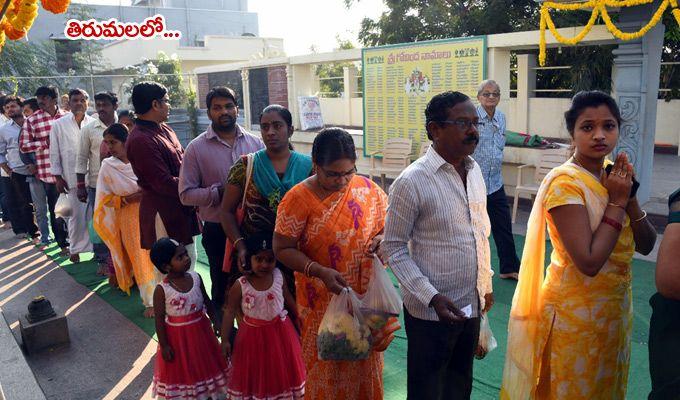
78	234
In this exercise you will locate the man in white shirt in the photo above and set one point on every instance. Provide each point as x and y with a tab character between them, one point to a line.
17	193
438	206
4	179
64	139
88	162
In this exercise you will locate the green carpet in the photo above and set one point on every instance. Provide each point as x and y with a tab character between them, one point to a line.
487	373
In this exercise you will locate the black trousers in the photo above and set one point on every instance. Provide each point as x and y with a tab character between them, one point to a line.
214	241
21	206
59	228
501	228
4	199
439	358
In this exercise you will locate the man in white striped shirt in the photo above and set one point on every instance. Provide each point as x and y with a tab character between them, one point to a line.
438	205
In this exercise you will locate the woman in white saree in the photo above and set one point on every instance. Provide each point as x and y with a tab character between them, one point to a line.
116	219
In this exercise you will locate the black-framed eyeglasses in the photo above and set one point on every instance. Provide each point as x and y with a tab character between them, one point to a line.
491	94
464	124
164	100
335	175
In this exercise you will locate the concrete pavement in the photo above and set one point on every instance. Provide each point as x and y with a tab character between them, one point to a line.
109	357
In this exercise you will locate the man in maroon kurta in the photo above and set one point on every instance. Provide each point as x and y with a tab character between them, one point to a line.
156	157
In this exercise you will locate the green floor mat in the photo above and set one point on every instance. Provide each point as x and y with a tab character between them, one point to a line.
487	373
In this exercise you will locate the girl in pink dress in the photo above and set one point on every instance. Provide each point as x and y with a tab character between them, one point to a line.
188	361
267	356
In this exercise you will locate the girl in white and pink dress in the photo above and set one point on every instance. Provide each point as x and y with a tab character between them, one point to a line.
267	356
188	362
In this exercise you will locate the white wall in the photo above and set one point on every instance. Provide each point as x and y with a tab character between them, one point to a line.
546	118
668	122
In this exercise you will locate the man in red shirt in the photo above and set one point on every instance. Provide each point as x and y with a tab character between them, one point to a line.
35	138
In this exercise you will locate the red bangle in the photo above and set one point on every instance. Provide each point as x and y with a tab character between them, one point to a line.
612	223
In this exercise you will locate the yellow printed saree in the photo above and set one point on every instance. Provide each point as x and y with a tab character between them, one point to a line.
569	334
118	226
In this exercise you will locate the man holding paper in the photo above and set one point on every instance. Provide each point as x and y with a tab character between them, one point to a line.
438	205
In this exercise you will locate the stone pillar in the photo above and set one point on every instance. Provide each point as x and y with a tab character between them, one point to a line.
246	98
498	69
349	90
203	87
526	83
292	95
635	86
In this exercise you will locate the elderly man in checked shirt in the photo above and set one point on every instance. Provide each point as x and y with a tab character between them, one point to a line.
489	156
438	205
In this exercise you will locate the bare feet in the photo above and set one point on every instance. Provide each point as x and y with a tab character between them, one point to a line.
75	258
36	241
113	281
512	275
103	269
64	251
148	312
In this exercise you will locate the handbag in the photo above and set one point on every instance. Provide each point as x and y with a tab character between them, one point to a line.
240	215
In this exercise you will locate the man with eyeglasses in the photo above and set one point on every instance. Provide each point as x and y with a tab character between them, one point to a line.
438	206
156	158
489	156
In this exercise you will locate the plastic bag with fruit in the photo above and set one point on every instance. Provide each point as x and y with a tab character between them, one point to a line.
343	334
381	305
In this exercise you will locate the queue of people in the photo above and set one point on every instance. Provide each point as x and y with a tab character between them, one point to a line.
286	233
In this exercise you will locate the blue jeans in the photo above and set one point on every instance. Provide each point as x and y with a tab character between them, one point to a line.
101	252
44	198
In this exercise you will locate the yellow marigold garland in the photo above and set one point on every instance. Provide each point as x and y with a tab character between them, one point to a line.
21	14
24	16
599	8
55	6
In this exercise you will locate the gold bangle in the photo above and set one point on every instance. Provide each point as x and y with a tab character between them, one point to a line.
617	205
237	240
644	215
308	267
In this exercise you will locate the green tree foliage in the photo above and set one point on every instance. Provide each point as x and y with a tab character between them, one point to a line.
408	21
164	70
28	59
670	78
417	20
61	60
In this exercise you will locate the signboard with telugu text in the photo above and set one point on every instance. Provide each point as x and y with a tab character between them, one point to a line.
400	80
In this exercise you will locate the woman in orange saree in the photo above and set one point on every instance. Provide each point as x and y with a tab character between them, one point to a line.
326	228
569	331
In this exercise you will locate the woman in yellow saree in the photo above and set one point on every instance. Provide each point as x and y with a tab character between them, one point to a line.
569	332
326	228
116	219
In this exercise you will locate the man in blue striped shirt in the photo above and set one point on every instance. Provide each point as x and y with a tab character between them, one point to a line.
489	156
